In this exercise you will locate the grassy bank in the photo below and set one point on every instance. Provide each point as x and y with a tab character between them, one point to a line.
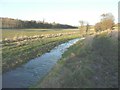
15	53
92	63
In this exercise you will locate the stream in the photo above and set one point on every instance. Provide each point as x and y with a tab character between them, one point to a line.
34	70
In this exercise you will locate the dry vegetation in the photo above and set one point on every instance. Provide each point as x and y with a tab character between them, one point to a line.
87	65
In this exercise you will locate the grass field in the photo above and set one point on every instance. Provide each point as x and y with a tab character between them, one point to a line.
19	50
11	33
92	63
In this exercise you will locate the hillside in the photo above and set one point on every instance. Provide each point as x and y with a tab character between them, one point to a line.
10	23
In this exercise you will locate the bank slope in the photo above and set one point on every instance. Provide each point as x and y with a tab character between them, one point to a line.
86	65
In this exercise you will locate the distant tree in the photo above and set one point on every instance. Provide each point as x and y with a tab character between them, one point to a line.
107	21
98	27
43	20
54	25
82	27
87	28
81	23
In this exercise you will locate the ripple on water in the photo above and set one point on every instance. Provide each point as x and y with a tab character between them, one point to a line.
29	73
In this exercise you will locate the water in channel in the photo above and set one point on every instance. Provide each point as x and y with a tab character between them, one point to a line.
34	70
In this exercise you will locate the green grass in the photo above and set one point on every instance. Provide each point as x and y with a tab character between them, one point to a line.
85	66
11	33
16	53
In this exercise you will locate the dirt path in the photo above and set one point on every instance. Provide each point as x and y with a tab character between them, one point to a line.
88	40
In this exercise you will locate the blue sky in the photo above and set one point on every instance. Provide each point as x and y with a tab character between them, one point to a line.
60	11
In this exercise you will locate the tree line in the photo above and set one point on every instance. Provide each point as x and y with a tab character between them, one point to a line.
9	23
106	23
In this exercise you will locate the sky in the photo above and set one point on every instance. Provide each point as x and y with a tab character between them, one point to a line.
59	11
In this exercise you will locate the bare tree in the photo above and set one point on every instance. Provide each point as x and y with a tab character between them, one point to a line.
87	28
82	27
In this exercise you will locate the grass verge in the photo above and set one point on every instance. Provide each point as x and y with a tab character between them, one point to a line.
86	66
